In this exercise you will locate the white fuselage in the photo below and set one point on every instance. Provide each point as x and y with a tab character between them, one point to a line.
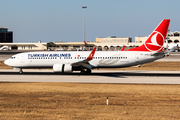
101	59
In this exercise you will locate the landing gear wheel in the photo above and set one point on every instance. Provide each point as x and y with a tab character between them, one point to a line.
83	72
88	71
20	71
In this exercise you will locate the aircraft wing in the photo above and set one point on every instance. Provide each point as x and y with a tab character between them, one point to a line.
172	49
157	53
85	62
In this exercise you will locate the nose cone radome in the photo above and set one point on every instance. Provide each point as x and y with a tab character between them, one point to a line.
7	62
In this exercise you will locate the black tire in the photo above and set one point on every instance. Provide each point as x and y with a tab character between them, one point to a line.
88	71
21	72
83	72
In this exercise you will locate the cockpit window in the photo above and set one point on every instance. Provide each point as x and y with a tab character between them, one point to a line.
13	57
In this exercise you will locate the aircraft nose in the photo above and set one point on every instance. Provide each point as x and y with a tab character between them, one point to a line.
7	62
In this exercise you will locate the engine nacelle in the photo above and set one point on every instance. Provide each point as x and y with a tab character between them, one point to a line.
64	68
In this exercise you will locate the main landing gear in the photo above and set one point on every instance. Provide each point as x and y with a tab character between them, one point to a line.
87	72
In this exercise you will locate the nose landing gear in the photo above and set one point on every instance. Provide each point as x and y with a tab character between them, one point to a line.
21	71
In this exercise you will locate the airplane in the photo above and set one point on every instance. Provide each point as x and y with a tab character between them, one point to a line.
172	45
69	61
4	48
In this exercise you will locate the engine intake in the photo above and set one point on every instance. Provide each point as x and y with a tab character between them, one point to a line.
64	68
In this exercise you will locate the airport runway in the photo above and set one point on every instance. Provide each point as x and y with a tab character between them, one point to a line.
97	76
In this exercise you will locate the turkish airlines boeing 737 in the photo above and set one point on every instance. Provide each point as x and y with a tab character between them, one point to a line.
84	61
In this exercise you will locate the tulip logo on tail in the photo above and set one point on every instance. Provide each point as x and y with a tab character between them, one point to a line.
155	42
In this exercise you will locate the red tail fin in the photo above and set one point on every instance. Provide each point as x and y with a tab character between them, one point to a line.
155	41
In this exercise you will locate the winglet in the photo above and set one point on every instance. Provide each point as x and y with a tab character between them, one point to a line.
123	48
90	57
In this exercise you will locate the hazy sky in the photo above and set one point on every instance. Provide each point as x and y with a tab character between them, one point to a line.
55	20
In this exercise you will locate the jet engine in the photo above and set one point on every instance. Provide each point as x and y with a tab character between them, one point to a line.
64	68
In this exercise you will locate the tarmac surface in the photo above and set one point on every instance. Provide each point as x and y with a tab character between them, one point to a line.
97	76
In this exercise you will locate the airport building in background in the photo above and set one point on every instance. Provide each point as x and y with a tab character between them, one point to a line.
102	44
5	35
172	37
25	46
112	43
